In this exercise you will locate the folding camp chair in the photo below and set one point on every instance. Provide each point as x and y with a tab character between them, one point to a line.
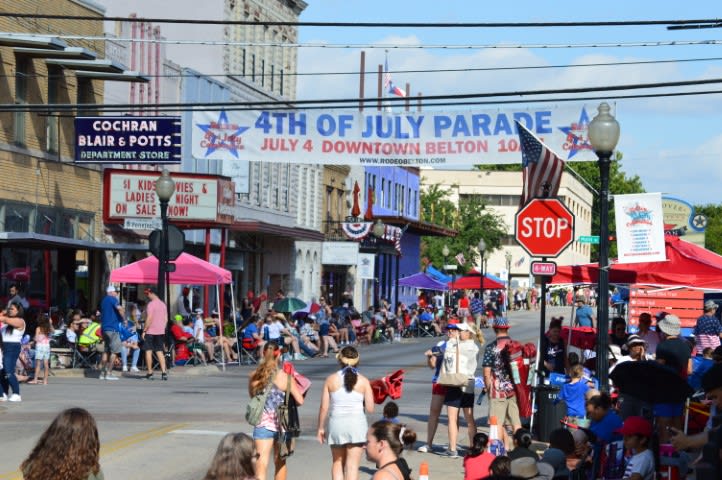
86	356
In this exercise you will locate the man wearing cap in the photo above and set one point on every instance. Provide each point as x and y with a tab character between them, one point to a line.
708	330
498	382
183	304
154	333
675	353
584	314
111	316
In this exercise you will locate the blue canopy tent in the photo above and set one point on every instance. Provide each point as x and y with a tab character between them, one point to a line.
423	281
437	275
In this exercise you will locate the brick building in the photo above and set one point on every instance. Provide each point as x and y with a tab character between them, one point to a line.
52	239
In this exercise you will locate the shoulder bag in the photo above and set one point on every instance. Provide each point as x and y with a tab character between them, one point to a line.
287	436
455	379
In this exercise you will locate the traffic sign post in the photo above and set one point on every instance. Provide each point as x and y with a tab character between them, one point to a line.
544	227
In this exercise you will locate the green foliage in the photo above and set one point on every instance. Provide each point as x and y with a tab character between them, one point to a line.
713	232
471	220
619	184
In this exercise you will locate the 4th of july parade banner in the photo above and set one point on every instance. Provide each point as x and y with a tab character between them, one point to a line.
430	138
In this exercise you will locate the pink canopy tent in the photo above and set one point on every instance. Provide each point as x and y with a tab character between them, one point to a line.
189	270
687	265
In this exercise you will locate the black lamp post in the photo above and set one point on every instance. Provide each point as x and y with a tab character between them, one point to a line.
445	252
482	249
603	135
507	303
164	188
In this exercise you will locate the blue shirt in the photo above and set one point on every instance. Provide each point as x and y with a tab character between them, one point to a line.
604	429
584	316
250	330
109	316
573	394
707	325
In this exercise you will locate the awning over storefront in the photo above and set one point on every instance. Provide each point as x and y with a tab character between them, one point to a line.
39	240
292	233
418	227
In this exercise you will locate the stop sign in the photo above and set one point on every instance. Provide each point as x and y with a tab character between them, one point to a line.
544	227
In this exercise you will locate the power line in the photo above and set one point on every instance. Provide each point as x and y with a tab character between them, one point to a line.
393	46
331	103
606	23
439	70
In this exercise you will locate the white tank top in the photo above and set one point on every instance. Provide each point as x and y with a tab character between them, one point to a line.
346	403
15	337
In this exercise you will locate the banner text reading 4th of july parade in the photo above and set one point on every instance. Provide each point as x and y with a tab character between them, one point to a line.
378	138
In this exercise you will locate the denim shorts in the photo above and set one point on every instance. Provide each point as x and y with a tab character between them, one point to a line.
261	433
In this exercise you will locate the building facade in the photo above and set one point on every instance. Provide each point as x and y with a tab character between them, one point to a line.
52	239
501	192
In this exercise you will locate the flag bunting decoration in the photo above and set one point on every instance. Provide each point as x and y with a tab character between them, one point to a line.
356	231
393	234
541	166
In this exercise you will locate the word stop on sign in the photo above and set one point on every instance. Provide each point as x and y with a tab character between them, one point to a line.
544	227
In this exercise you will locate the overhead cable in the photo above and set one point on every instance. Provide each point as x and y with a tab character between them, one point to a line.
604	23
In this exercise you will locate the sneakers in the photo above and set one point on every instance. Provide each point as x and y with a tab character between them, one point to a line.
149	376
110	377
125	368
424	449
102	375
449	454
4	398
164	376
15	398
134	369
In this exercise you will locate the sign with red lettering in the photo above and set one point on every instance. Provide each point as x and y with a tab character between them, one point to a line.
544	227
547	269
131	194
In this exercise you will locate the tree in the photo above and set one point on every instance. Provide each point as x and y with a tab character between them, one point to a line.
713	232
619	184
470	219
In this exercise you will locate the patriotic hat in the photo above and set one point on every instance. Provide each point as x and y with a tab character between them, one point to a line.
501	323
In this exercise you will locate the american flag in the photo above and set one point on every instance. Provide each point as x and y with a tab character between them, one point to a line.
519	262
460	258
541	166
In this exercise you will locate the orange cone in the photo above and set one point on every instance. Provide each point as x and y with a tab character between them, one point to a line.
424	471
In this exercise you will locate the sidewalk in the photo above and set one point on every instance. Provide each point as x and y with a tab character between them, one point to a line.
180	371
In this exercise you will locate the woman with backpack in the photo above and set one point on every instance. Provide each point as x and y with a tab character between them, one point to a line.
269	375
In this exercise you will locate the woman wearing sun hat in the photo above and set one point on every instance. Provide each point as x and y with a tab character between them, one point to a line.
346	399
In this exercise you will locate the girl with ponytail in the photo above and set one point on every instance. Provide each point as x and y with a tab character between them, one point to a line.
346	399
269	374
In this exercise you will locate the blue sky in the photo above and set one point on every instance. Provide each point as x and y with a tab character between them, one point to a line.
673	144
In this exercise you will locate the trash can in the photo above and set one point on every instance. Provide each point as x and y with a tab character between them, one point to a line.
548	415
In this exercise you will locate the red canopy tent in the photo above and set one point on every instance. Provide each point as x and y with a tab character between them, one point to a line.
473	282
687	265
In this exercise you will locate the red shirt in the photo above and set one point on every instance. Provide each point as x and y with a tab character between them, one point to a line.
476	468
464	302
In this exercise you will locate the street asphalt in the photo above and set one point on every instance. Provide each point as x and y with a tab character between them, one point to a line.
169	430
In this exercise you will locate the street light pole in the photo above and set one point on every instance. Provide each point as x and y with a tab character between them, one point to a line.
164	188
445	253
482	249
603	135
507	303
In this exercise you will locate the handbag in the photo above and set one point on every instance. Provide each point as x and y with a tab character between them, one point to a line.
287	436
254	409
455	379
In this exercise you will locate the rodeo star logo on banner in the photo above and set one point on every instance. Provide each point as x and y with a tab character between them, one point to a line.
380	138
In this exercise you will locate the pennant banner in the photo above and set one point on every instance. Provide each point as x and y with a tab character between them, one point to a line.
428	138
640	227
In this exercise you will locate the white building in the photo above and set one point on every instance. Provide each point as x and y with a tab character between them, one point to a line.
501	192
